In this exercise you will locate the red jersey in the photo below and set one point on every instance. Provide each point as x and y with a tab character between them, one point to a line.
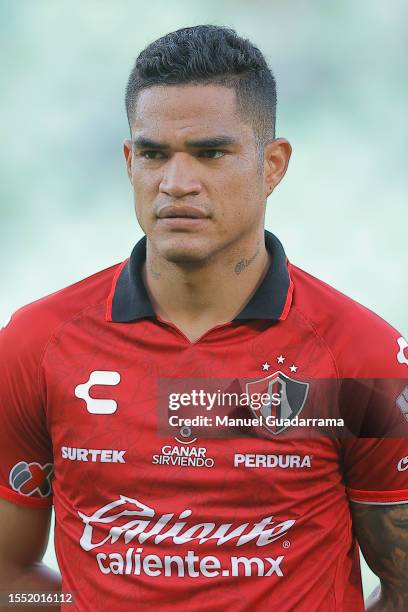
184	521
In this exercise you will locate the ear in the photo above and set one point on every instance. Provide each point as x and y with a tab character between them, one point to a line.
128	151
276	159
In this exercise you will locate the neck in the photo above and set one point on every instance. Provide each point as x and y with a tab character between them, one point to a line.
208	294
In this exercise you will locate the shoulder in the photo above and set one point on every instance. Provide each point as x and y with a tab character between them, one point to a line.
362	343
31	326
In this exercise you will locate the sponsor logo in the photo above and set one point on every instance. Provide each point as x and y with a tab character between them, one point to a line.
100	378
29	478
401	357
93	455
131	520
190	565
292	394
402	402
272	461
185	436
403	464
185	456
142	523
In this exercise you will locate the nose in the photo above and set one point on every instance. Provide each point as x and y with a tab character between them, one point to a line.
180	177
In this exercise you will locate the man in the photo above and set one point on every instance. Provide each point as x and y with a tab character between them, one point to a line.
175	518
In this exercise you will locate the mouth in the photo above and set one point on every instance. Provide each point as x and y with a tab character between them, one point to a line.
181	212
182	217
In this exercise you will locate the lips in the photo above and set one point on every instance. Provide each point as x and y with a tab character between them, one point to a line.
181	212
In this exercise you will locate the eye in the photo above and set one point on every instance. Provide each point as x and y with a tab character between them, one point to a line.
212	153
152	154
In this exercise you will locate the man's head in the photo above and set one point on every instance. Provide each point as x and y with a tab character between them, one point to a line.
201	108
213	55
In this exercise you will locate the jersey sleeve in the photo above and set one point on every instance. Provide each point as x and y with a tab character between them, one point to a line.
376	470
376	465
26	459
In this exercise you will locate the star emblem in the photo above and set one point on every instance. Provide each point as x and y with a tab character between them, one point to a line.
280	359
266	366
293	368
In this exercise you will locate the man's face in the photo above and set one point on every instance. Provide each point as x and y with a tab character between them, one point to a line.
193	162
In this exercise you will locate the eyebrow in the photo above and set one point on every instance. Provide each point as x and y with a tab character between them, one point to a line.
205	143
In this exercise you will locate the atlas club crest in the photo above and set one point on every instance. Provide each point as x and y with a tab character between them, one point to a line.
292	393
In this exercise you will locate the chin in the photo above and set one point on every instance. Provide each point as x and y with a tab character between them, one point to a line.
183	250
183	256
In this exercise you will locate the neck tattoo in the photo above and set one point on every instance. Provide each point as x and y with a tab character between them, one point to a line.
244	263
154	274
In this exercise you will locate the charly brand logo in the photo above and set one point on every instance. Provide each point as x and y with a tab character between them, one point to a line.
98	378
29	478
292	396
142	523
402	345
403	464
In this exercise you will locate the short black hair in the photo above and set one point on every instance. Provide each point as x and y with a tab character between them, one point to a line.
209	54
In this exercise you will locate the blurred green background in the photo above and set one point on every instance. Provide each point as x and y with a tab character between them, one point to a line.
341	68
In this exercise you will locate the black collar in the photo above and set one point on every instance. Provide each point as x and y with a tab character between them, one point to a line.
129	300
